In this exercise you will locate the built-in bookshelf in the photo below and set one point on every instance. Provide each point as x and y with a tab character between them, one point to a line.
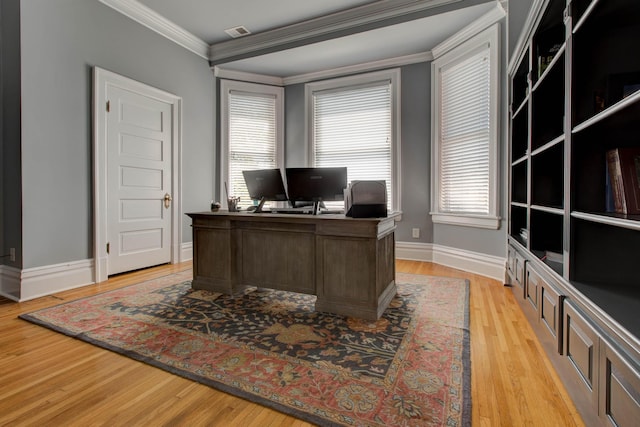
575	95
591	54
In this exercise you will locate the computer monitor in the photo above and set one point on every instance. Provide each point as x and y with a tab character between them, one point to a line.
265	184
316	185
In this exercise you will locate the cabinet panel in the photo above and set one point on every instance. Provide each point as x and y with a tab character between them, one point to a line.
550	303
531	287
619	390
581	343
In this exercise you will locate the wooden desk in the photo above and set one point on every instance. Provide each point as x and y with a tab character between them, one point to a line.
348	263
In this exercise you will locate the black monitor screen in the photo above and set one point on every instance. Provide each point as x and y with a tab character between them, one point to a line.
265	184
316	184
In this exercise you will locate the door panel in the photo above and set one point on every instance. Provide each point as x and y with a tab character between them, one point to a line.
139	132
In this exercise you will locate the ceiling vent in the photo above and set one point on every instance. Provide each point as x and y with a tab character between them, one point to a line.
236	32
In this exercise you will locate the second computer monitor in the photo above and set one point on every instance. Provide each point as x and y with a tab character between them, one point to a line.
316	184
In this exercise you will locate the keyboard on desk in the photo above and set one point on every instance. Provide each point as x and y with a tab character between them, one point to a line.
300	211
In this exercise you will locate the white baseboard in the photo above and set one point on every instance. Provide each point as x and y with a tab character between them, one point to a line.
47	280
473	262
186	252
414	251
36	282
10	282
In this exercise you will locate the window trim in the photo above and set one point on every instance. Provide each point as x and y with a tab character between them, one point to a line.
392	75
490	37
226	87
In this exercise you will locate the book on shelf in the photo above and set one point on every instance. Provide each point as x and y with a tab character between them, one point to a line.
610	205
545	58
623	165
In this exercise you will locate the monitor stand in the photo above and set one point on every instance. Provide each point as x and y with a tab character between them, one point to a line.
258	208
316	208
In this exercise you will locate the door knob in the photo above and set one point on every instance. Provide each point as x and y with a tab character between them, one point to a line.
167	200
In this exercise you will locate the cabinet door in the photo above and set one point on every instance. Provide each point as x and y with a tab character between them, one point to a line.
532	285
511	263
581	344
619	389
550	312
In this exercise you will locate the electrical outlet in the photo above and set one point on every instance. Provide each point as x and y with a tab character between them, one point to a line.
12	254
415	233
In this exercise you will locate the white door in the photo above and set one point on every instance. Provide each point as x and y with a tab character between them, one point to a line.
139	178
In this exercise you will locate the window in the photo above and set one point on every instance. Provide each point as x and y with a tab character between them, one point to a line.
353	122
465	133
252	133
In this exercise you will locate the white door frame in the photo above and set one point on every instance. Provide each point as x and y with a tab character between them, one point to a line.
101	80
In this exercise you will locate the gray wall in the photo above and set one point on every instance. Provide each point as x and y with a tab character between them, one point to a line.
10	189
61	41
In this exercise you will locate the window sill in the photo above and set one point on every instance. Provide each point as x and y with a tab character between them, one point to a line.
476	221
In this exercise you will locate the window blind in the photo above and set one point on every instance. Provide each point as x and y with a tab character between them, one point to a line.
252	138
352	127
465	136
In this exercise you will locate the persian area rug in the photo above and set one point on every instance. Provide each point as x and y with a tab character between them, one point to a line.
409	368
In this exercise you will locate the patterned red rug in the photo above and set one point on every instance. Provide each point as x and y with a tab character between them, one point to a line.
411	367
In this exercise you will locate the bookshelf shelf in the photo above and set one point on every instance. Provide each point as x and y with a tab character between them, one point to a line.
630	222
548	145
613	110
582	9
554	63
522	107
520	160
582	100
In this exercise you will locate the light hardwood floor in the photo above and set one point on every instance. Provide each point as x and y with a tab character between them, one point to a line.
49	379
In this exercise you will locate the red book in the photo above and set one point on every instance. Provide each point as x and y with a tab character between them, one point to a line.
624	173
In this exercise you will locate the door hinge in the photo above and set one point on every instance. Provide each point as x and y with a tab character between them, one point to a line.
108	247
108	106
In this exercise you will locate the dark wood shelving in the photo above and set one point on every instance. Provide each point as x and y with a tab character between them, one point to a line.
579	256
548	107
547	177
603	45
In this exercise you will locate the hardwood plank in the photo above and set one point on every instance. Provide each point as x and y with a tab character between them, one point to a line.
48	378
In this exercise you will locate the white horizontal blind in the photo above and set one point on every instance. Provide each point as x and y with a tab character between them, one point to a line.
252	138
465	136
352	127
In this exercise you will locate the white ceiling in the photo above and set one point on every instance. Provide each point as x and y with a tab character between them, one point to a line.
208	19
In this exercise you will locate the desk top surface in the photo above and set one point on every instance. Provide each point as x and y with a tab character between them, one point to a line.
248	215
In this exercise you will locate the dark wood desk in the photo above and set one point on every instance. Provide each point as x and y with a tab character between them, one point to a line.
348	263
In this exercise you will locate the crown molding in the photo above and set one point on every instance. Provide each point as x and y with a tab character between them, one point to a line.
486	20
532	19
152	20
372	15
243	76
399	61
359	68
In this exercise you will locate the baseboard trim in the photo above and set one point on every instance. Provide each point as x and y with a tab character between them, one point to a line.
461	259
186	252
41	281
10	282
414	251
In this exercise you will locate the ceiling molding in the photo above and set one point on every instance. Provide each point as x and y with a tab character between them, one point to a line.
360	68
533	18
350	21
161	25
247	77
486	20
399	61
